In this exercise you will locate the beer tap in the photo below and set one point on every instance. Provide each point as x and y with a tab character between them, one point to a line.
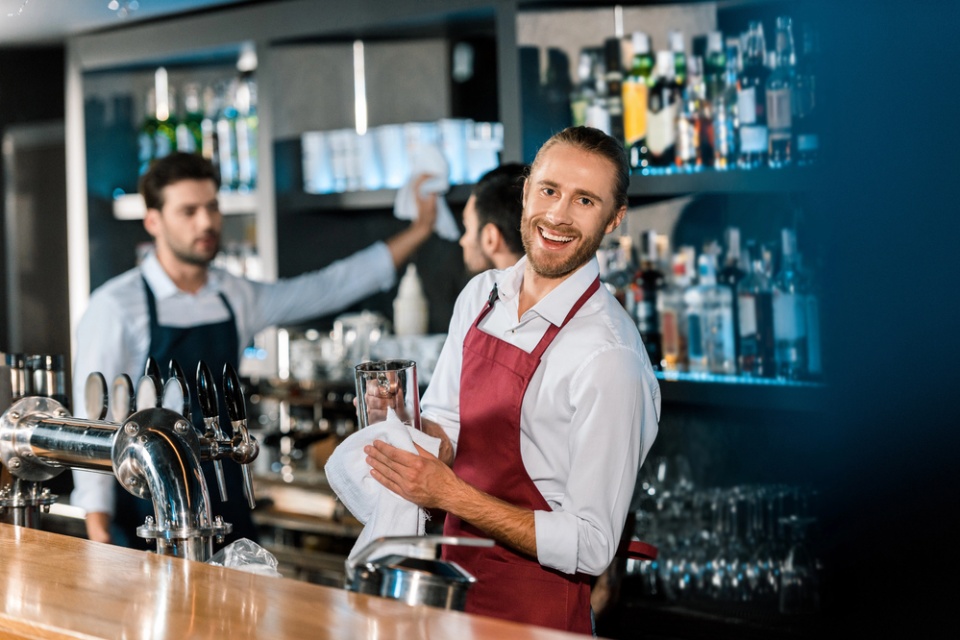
245	448
123	400
210	408
150	386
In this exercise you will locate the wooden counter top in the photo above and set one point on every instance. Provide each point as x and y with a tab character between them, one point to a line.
56	586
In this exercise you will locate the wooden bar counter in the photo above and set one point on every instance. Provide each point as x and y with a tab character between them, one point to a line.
57	586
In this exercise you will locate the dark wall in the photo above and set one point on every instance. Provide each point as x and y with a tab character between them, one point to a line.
31	90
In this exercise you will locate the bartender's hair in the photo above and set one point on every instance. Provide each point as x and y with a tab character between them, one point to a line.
173	168
499	201
596	141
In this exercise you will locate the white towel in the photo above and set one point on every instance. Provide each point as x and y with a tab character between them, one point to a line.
429	159
382	512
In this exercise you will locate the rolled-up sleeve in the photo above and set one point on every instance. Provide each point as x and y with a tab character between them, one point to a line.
614	424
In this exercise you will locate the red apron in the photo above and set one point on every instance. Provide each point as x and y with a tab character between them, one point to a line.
493	381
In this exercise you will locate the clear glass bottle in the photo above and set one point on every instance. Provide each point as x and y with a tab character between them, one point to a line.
189	127
789	312
147	132
209	146
805	111
672	312
227	139
585	90
676	43
752	101
693	304
689	121
247	127
718	327
662	113
726	122
635	95
165	139
780	85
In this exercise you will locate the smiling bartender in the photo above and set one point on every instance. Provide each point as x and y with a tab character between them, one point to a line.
176	306
546	395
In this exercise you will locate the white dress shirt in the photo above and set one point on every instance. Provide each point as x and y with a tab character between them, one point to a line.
589	416
113	336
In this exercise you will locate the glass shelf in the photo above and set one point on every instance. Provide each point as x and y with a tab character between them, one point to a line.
130	206
728	391
659	185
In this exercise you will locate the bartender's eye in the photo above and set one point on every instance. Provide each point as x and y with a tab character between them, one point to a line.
585	201
548	191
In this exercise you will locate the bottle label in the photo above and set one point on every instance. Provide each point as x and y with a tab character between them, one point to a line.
778	108
634	111
661	129
753	139
747	314
669	333
747	105
789	316
694	336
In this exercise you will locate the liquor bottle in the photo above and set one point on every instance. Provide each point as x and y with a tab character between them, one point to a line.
733	271
189	128
751	100
613	78
726	121
805	126
635	96
693	305
718	327
755	314
679	50
715	65
585	90
209	147
227	139
662	113
146	134
789	312
598	112
247	126
672	313
650	283
689	121
811	298
165	140
780	86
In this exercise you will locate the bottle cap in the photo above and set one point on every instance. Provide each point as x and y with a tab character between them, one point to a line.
641	43
675	40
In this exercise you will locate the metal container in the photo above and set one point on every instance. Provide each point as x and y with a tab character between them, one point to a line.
414	580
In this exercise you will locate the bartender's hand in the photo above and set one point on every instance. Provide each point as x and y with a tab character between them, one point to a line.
426	481
98	527
403	244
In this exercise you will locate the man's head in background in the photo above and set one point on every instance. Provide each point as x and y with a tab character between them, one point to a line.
491	219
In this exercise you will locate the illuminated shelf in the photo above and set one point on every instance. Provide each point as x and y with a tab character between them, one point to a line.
722	391
130	206
660	185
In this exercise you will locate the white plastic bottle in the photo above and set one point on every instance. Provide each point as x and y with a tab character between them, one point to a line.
410	305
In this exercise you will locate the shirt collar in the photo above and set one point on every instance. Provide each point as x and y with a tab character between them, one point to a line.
163	287
557	304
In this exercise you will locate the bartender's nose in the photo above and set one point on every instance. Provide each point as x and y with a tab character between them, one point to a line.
559	212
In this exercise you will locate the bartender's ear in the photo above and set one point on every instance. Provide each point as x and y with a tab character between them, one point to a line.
151	221
616	219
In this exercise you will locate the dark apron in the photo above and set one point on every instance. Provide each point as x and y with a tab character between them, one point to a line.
512	586
216	344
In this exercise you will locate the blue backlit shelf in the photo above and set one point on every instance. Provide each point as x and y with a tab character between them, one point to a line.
740	392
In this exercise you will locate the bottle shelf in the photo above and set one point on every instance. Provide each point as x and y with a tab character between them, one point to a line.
660	185
130	206
298	202
729	391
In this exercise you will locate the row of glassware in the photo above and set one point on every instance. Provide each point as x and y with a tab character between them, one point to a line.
385	157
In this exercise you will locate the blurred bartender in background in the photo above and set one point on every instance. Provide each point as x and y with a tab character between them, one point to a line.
175	306
544	400
491	219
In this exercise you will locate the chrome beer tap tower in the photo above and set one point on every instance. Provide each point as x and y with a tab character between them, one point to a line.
150	445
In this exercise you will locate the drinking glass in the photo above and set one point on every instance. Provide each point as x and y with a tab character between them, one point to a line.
385	386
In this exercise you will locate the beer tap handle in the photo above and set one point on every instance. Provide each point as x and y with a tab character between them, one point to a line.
247	449
153	369
210	409
149	392
176	393
95	396
122	398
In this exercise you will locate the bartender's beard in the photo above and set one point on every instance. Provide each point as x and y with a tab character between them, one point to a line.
548	266
197	258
